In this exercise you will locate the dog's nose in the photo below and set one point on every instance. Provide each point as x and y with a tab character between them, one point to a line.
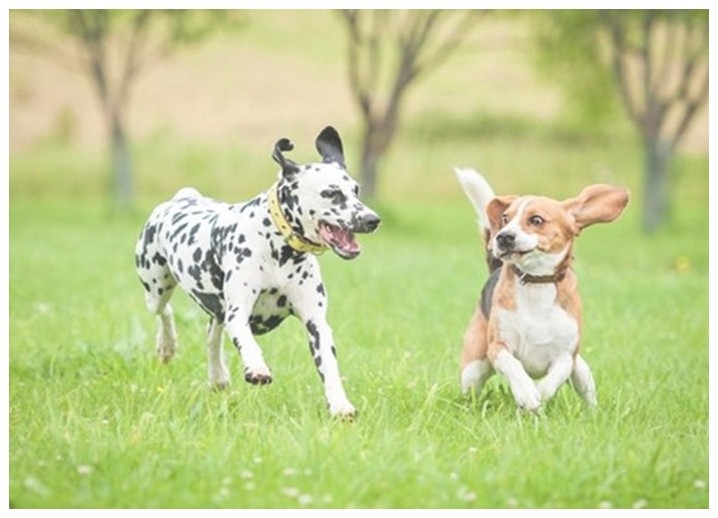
371	222
505	240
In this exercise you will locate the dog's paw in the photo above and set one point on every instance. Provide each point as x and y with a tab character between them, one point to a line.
260	376
527	397
546	390
344	411
166	348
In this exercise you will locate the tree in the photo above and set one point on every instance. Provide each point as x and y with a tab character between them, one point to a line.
115	46
388	51
657	63
660	64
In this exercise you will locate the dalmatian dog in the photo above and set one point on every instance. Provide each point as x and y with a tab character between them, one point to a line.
250	265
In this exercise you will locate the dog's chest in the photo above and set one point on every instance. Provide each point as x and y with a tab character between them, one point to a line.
539	329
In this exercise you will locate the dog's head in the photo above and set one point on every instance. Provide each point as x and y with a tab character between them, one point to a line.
321	200
536	233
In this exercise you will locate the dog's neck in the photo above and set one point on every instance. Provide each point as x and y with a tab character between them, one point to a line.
526	278
555	277
279	199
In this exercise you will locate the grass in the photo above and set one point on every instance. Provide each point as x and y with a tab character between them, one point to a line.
96	421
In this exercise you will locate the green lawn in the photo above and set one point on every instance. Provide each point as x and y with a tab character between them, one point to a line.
97	421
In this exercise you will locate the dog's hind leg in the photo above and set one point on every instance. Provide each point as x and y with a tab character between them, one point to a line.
475	366
166	338
219	377
159	285
582	381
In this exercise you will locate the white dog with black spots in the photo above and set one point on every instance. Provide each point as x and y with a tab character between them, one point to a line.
250	265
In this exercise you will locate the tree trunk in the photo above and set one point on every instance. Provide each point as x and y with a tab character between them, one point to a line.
655	187
121	164
374	145
376	140
369	161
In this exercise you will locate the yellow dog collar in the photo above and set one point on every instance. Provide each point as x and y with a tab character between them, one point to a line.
297	242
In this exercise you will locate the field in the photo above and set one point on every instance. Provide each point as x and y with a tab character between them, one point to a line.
97	422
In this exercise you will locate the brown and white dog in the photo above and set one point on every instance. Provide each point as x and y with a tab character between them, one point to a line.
527	325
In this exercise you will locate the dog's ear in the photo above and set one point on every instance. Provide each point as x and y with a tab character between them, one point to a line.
495	209
288	166
330	147
597	203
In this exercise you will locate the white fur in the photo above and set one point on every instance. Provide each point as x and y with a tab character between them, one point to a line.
522	386
475	374
539	331
478	191
582	380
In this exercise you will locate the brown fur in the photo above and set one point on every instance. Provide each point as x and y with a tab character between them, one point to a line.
561	222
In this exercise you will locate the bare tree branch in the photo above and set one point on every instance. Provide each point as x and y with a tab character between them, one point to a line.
414	40
619	49
456	37
133	56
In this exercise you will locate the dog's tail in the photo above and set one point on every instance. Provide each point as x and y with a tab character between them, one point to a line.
480	193
187	192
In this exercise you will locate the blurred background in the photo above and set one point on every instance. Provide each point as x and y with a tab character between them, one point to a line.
111	112
125	107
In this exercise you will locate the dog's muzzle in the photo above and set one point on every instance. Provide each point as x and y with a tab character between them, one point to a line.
366	224
505	241
341	238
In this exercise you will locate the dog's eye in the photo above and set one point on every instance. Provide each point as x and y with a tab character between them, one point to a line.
335	195
504	219
536	220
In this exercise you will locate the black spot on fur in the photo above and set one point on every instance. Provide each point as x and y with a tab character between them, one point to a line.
260	325
211	303
193	234
313	336
149	237
195	272
178	230
487	292
157	258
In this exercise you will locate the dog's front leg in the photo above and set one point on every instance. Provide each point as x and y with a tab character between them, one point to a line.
557	374
522	386
239	309
256	371
311	307
321	345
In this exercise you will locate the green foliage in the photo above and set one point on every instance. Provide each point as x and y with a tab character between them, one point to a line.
568	51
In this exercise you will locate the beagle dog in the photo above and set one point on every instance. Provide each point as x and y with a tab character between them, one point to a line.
527	325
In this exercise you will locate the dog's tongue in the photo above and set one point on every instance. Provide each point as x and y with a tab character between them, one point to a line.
339	239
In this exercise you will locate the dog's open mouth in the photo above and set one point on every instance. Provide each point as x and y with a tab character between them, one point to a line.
340	240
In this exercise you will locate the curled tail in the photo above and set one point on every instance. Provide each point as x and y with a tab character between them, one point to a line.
480	193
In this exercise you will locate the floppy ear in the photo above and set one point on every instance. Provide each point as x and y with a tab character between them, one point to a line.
495	209
330	147
597	203
288	166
